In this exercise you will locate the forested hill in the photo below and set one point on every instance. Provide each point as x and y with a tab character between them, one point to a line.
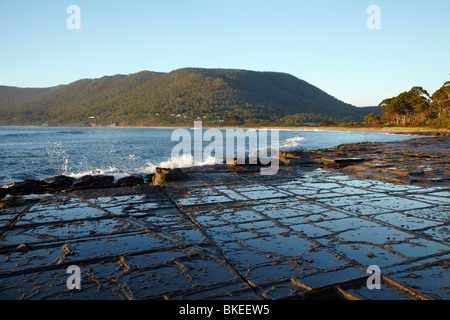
220	96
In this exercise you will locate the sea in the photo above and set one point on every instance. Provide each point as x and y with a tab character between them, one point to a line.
43	152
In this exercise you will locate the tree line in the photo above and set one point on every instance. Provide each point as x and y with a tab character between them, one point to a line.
415	107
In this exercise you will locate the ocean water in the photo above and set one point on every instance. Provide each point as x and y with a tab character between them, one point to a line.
42	152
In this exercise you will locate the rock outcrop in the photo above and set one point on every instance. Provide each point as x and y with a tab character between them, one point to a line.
164	174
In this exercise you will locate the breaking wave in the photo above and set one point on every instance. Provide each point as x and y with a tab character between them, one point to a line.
183	161
290	144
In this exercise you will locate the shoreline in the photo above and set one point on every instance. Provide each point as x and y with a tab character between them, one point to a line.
366	163
119	174
397	130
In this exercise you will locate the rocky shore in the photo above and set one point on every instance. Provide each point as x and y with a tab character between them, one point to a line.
225	231
421	160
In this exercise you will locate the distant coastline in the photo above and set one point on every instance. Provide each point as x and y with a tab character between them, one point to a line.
398	130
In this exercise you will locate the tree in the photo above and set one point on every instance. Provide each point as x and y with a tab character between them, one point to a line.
420	103
408	107
328	121
392	110
233	119
441	100
372	120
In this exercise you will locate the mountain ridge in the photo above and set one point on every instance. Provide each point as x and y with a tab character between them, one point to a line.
221	96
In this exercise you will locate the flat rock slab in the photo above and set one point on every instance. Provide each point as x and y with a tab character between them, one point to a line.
227	232
422	160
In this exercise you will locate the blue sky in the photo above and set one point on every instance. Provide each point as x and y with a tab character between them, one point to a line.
324	42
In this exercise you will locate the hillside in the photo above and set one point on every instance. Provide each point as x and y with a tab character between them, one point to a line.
220	96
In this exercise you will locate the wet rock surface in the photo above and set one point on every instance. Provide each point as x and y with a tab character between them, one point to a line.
94	182
308	232
130	181
64	183
422	160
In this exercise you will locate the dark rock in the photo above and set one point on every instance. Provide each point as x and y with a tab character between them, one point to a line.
28	186
425	133
251	162
341	162
94	182
59	183
175	174
149	177
163	174
130	181
31	186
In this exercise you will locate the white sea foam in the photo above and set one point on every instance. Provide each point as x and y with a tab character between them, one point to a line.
117	173
292	144
182	161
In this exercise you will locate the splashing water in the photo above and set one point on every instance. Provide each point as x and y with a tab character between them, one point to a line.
60	158
292	144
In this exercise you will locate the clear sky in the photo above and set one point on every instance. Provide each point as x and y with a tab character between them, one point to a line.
324	42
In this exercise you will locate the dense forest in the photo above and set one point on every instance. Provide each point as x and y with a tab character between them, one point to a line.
416	108
215	96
